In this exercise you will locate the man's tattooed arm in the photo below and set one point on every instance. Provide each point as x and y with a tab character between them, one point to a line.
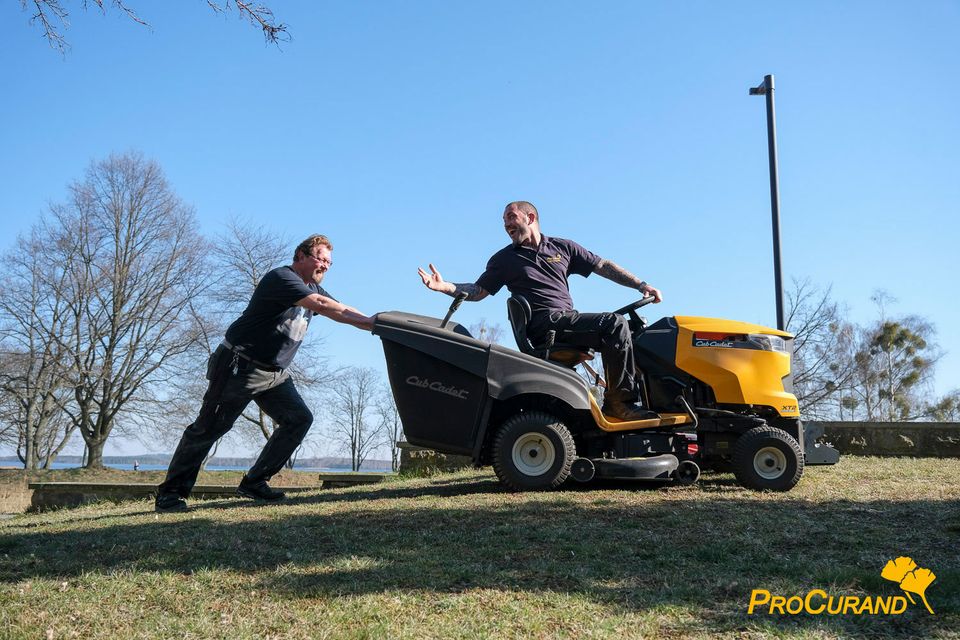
474	292
616	273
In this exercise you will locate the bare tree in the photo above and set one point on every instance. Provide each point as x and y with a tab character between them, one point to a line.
485	331
54	17
352	405
908	355
822	362
31	420
390	425
33	362
946	409
134	261
242	255
893	364
9	429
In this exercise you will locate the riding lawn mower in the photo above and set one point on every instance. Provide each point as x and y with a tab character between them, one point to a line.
722	390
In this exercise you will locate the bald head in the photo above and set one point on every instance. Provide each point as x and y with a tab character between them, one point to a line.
522	223
525	207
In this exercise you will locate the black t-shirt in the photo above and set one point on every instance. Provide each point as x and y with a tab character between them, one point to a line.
272	326
539	275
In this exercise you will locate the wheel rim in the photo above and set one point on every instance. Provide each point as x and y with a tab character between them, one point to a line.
533	454
770	463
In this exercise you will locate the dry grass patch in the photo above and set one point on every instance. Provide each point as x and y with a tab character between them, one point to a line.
457	557
286	477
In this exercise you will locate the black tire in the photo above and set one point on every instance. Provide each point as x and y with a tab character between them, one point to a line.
533	452
767	458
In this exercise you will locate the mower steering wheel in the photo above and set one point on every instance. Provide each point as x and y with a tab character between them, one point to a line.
631	309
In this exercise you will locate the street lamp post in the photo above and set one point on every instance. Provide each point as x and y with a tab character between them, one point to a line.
766	89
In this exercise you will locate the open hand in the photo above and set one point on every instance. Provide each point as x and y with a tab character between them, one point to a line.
433	280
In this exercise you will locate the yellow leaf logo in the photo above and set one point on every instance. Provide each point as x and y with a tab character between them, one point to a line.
897	569
912	579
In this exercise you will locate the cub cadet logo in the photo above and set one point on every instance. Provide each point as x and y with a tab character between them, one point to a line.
556	258
424	383
904	571
726	344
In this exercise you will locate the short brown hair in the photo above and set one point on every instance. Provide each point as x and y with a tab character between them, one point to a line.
306	247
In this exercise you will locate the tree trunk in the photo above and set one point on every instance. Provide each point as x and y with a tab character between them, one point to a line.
29	455
95	454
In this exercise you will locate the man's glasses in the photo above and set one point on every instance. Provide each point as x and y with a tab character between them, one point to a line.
326	261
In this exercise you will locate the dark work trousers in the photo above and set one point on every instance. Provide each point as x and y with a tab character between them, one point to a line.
229	392
609	333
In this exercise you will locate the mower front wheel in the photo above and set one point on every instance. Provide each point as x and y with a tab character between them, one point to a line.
767	458
533	452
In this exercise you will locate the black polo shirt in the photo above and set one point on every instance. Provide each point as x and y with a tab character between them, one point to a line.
272	326
539	275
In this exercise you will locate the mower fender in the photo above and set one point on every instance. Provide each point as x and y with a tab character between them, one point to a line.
510	375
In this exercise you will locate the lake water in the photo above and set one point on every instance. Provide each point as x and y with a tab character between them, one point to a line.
163	467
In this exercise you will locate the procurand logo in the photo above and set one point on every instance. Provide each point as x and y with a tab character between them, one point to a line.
913	581
439	387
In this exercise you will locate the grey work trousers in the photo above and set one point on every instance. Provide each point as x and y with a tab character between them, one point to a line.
233	383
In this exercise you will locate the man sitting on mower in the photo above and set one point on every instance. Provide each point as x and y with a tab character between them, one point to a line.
536	267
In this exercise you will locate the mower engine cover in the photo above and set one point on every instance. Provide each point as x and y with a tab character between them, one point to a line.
744	363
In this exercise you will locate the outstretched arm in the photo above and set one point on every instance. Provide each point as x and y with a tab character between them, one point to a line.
435	282
330	308
615	273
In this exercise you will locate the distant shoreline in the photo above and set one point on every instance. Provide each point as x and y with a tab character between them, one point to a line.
160	462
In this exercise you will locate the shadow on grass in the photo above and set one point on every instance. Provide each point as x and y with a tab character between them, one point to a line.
706	553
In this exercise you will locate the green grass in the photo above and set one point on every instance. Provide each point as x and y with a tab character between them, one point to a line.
457	557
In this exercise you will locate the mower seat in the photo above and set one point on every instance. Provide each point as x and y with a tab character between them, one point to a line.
570	355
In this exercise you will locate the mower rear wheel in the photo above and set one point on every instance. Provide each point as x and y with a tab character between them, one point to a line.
533	451
767	458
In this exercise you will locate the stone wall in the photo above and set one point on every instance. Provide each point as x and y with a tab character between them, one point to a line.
417	461
14	493
916	439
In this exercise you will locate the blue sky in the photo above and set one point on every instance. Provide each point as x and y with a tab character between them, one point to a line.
401	130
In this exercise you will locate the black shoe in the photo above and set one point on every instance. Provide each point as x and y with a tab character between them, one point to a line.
259	490
169	503
628	411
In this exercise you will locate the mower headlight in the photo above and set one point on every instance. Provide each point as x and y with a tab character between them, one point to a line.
768	342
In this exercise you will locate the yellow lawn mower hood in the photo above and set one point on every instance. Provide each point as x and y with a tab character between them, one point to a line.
743	363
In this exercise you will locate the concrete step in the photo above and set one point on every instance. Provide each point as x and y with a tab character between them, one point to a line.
47	495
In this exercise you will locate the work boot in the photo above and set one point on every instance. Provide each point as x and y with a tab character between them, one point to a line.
169	503
259	490
628	411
